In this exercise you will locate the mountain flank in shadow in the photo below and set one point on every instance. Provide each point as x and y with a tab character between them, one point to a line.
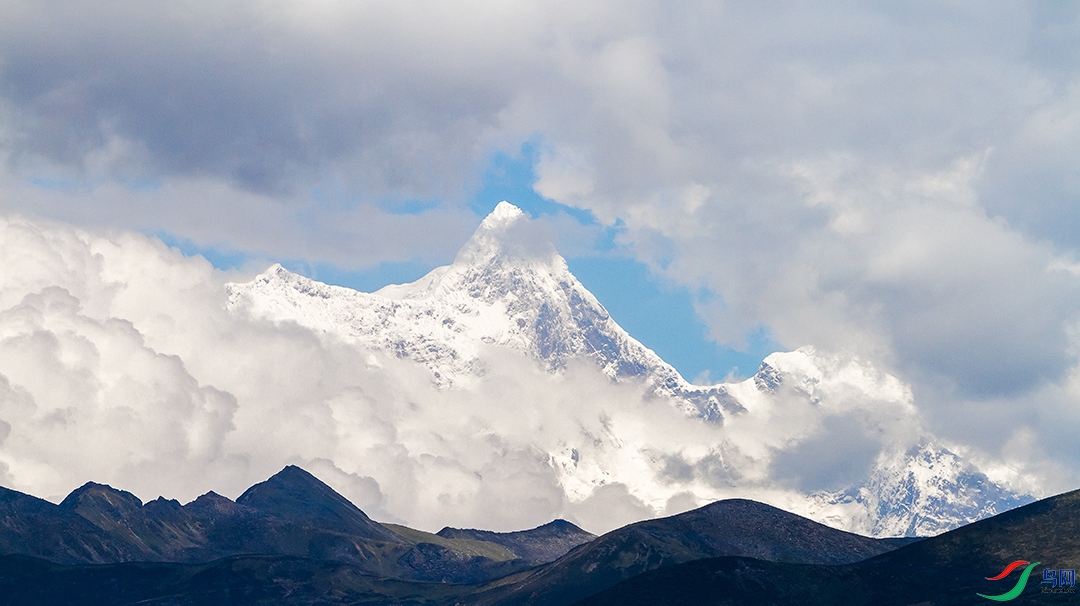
951	568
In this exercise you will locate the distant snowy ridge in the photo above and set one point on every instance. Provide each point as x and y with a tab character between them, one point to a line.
923	491
497	291
918	490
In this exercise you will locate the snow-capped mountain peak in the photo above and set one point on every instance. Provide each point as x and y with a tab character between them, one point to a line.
923	490
503	215
508	292
507	287
506	233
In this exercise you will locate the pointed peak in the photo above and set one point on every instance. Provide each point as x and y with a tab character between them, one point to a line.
211	497
292	474
506	232
276	274
295	494
504	214
556	528
92	492
101	504
291	479
562	525
275	271
212	501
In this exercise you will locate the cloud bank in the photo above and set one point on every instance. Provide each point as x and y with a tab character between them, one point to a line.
119	362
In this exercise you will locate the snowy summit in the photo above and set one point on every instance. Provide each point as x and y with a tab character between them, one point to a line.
503	289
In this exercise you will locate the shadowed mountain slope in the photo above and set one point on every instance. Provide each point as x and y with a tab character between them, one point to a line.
290	514
951	568
236	581
733	527
755	554
466	546
727	527
296	495
36	527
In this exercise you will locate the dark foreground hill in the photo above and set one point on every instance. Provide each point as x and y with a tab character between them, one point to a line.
734	527
951	568
290	514
236	581
729	552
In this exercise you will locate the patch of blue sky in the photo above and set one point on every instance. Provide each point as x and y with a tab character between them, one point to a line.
511	177
607	240
221	259
661	314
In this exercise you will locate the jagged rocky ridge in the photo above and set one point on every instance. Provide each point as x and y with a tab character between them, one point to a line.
924	491
504	292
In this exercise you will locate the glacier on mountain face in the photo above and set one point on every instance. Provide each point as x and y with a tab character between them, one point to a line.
507	294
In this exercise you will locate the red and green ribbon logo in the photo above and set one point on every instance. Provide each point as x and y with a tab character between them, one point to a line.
1013	593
